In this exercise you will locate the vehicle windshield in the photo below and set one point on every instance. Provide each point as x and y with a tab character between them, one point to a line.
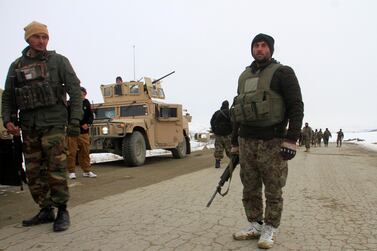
105	112
133	110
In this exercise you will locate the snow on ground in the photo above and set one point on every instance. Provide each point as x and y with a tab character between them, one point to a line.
366	139
106	157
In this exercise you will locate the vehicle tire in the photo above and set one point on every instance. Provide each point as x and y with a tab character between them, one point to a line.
134	149
180	151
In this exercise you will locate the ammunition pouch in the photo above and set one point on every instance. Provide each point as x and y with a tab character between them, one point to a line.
32	72
33	90
262	108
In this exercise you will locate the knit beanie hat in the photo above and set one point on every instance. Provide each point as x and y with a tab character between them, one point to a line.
266	38
35	28
83	89
225	104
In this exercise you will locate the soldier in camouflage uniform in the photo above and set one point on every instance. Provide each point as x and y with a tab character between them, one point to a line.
339	138
307	134
326	136
265	145
319	137
36	87
314	138
222	128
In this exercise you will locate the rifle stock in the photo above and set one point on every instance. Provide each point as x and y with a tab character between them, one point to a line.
227	175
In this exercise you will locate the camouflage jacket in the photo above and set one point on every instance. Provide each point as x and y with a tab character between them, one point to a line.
61	72
307	132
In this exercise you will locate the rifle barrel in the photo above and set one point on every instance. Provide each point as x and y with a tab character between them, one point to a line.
212	197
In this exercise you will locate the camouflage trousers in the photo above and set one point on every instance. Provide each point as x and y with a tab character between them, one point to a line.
222	143
326	141
307	142
261	164
45	159
78	146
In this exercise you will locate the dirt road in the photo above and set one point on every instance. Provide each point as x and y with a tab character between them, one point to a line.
329	204
112	178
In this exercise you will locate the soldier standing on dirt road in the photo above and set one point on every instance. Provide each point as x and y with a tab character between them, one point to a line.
222	128
326	136
307	134
36	86
265	144
339	138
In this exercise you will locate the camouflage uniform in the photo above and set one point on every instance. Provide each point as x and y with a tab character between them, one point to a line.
319	137
339	138
261	163
43	127
307	134
222	128
260	148
326	136
222	143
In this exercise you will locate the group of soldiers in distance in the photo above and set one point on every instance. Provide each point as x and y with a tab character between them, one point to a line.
308	137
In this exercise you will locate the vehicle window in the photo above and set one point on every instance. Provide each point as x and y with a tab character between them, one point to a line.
168	112
161	93
105	112
134	89
108	91
134	110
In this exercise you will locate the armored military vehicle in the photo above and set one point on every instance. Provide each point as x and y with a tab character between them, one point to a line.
134	118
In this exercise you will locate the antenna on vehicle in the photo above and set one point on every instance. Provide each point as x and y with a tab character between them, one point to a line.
134	64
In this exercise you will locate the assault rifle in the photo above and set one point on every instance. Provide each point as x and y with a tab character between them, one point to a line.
227	175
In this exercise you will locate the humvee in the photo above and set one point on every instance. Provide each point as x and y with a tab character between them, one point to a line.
134	118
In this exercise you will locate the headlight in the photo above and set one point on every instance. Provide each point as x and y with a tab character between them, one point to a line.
105	130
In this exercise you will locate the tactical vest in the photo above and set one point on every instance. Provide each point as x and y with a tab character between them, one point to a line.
34	87
256	104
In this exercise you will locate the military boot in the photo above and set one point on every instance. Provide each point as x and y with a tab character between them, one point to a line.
62	221
45	215
217	163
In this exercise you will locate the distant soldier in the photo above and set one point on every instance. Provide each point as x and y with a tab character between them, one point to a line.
326	136
307	135
314	138
319	137
339	138
222	128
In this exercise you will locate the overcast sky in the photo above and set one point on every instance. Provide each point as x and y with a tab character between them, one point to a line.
330	44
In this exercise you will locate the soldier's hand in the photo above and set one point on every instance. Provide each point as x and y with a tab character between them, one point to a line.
288	149
73	128
235	150
85	126
12	129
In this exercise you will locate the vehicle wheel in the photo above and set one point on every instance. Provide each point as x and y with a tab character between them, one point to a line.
180	151
134	149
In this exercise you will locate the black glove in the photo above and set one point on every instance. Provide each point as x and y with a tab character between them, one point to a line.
288	150
73	128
